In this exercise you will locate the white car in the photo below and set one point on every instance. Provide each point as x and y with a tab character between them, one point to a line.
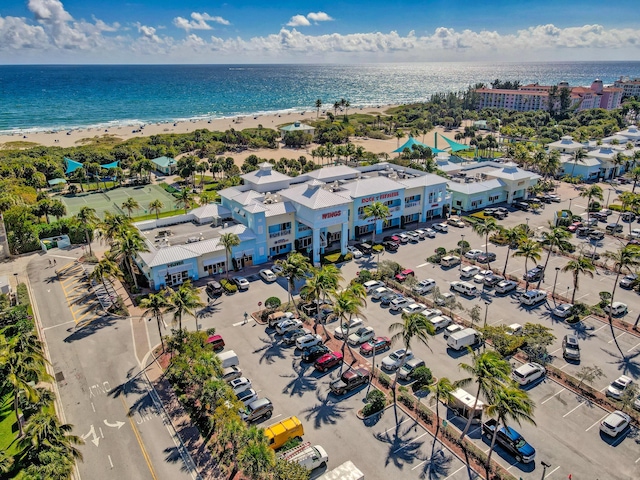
451	329
308	340
404	238
429	232
514	330
361	335
413	236
247	396
445	298
421	233
473	253
424	286
399	303
617	387
470	271
241	282
527	373
563	310
371	285
287	325
414	308
481	275
617	308
615	423
431	313
505	286
240	384
379	292
441	227
392	361
441	322
354	251
635	233
277	269
352	326
268	276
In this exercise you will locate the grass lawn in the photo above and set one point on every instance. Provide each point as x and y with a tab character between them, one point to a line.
8	422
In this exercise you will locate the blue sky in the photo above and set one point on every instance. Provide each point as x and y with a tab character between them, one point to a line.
198	31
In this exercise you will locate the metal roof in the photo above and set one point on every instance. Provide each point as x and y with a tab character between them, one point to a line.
265	174
372	186
475	187
337	172
313	196
278	208
211	210
423	181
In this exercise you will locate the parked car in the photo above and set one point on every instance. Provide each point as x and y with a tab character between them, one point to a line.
596	235
365	248
377	345
421	233
584	231
392	238
392	361
379	292
528	373
533	297
289	324
618	386
404	274
257	409
514	330
473	253
354	251
247	396
371	285
506	286
615	423
313	353
503	210
404	238
350	380
469	271
521	206
216	342
409	367
510	440
240	384
440	323
429	232
388	297
614	228
277	269
361	335
486	257
629	281
451	329
571	347
441	227
291	336
231	373
390	246
635	233
352	325
413	236
481	275
534	274
450	261
492	280
455	221
591	255
328	361
399	303
445	298
628	217
307	341
241	282
575	226
414	308
424	286
213	289
563	310
464	288
267	275
617	308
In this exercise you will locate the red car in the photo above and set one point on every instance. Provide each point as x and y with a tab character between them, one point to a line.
402	276
574	226
328	360
378	344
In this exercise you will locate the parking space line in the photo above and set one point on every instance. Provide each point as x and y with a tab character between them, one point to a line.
582	296
634	347
556	350
512	271
396	426
638	460
565	365
616	338
557	393
415	439
512	465
596	331
574	408
455	472
422	265
418	465
553	470
596	423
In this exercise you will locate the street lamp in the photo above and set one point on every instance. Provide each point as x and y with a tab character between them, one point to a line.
486	312
553	294
609	196
545	465
570	200
17	297
527	219
462	252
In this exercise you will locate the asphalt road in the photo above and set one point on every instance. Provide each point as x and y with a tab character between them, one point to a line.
101	391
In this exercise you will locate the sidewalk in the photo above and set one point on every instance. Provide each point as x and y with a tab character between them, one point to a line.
205	465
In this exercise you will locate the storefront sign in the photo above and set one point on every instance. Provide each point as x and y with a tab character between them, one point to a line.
434	204
337	213
175	264
282	240
382	196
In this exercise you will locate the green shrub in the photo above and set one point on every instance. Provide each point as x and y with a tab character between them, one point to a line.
375	403
422	377
378	248
364	276
441	251
23	294
594	206
168	188
425	414
384	379
228	286
406	398
211	331
272	302
434	259
291	443
337	257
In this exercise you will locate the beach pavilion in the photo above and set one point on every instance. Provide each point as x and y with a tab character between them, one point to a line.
297	127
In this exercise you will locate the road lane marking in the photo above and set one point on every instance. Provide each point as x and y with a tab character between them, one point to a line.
139	439
557	393
413	440
243	322
596	423
455	472
574	408
58	325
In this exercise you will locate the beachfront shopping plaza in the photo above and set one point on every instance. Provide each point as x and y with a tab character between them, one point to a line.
316	213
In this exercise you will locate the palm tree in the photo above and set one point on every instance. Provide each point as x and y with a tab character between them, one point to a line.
399	134
130	204
184	199
88	217
413	326
556	237
113	226
256	457
593	191
155	305
323	282
487	369
513	236
634	173
507	402
378	211
5	462
126	247
318	105
529	249
623	260
105	270
486	228
580	266
578	157
184	300
348	303
228	241
442	391
156	206
44	431
294	267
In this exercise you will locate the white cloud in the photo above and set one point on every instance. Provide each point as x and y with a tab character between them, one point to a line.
198	22
319	17
298	21
49	10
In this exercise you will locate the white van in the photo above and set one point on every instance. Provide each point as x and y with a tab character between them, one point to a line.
533	297
229	359
306	456
465	288
371	285
466	405
463	338
449	261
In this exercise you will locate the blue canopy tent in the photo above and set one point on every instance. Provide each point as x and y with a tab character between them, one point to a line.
110	165
411	143
455	146
72	165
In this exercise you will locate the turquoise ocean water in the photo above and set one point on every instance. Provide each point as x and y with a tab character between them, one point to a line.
34	98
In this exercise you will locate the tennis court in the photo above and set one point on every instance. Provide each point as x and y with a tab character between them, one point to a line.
112	200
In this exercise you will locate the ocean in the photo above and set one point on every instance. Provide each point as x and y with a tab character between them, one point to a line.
63	97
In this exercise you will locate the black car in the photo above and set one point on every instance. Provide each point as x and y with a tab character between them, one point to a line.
388	298
312	354
535	274
502	210
492	280
213	289
591	255
486	257
614	228
365	248
521	206
628	217
390	246
584	231
290	337
602	217
596	235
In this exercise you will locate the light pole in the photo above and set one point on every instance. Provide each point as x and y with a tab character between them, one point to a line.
486	313
553	294
527	219
545	465
608	196
15	275
570	200
461	252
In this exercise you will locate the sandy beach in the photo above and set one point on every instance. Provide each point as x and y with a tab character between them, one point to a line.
76	137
